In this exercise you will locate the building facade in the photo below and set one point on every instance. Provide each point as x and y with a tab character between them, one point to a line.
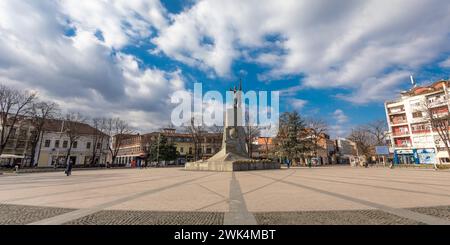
347	152
18	149
135	148
90	146
412	137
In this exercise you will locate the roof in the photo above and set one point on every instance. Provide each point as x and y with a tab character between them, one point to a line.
55	125
419	90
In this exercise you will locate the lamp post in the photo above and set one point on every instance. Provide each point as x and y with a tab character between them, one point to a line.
157	150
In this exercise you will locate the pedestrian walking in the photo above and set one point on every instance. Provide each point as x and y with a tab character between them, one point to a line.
69	168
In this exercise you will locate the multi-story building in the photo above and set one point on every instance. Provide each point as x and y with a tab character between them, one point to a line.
346	151
412	137
18	149
54	145
135	148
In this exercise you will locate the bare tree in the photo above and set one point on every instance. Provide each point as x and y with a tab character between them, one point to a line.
117	131
364	140
316	130
40	113
14	105
99	126
72	124
266	141
251	133
378	129
196	130
439	121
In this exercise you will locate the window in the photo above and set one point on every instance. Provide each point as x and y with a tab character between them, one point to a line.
65	144
99	145
75	144
190	150
208	150
88	145
417	114
181	149
56	143
47	143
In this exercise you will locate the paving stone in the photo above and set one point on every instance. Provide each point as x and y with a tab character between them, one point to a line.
19	215
112	217
441	211
357	217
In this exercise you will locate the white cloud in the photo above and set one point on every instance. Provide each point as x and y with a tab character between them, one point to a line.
340	116
445	63
367	47
339	44
120	21
339	127
81	72
298	104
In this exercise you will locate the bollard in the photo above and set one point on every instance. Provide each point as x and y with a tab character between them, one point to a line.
17	169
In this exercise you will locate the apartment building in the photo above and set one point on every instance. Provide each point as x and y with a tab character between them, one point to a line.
412	137
135	148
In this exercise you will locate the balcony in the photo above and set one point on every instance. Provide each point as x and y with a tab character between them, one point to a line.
422	131
399	134
398	121
403	145
396	111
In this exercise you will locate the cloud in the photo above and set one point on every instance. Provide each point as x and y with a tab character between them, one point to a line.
347	44
74	52
339	127
340	116
297	104
445	63
80	71
120	22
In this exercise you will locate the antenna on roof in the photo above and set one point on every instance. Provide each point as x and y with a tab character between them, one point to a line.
412	81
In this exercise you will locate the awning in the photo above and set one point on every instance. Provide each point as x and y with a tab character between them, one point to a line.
442	154
11	156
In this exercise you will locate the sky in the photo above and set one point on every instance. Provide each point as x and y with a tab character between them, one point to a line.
335	60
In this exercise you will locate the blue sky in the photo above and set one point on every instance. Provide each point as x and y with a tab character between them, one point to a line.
335	60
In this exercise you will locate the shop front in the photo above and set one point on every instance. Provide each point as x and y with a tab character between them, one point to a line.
415	156
404	157
425	156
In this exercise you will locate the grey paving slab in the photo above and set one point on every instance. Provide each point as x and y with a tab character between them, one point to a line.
120	217
441	211
343	217
20	215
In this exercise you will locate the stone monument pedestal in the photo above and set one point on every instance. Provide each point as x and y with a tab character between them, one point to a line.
230	162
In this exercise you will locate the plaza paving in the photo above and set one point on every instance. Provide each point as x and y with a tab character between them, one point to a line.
334	195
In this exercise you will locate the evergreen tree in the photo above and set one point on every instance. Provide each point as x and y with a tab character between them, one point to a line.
164	151
291	140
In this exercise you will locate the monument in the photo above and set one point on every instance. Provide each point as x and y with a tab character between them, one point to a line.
234	153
